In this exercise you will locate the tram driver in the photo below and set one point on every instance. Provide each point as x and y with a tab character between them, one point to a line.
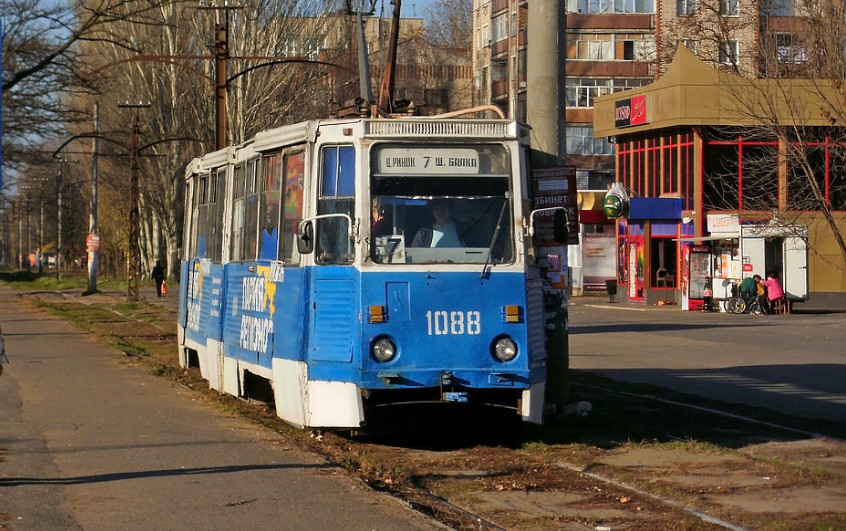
443	232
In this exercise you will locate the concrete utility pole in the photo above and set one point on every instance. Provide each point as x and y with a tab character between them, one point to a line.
94	252
545	80
59	179
386	89
545	84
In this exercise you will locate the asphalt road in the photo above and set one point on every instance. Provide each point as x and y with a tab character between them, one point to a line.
792	364
89	443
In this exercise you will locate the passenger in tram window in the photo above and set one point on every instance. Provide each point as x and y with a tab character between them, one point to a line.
270	234
381	222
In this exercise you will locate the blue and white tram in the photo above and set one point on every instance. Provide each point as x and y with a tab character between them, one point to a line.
316	273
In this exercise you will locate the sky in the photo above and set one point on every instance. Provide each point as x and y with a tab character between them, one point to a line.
408	8
415	8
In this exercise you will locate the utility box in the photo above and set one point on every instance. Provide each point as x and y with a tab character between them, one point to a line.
611	289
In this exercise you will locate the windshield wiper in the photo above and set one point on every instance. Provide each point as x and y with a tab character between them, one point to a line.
493	240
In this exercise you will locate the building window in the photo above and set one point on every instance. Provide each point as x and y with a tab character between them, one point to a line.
622	83
685	8
580	141
729	8
690	44
610	6
628	50
500	28
778	8
582	92
788	49
729	52
590	47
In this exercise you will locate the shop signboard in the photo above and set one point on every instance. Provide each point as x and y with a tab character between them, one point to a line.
555	187
630	111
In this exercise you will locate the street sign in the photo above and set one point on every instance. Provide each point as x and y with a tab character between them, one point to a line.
92	243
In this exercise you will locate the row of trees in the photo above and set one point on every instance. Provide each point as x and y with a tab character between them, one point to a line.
160	60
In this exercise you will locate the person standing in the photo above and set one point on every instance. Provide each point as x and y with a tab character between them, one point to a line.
158	276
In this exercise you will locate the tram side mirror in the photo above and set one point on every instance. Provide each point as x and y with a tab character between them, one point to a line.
305	237
560	226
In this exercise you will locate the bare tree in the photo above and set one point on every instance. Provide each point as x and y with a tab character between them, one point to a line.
450	24
42	63
274	53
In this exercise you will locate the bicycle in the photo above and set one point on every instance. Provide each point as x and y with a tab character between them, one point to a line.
740	304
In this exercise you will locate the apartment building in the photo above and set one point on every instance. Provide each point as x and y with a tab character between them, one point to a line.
428	79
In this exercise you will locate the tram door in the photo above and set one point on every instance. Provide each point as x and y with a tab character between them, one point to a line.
333	286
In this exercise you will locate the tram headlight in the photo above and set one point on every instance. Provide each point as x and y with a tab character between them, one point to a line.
505	349
383	350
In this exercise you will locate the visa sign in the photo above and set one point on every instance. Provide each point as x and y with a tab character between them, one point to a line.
630	111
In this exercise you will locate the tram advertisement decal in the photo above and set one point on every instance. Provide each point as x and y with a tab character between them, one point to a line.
257	307
202	269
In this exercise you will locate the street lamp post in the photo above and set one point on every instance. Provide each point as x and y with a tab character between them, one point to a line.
59	174
133	263
94	248
28	238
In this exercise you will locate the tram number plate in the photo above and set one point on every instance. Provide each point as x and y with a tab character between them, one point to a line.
444	323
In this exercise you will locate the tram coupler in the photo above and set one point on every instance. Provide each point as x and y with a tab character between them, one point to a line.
451	396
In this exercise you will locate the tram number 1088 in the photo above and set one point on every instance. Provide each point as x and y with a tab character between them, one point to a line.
442	322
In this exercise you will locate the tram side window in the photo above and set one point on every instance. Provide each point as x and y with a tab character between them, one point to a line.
192	205
202	217
236	237
251	211
293	206
337	196
217	187
269	206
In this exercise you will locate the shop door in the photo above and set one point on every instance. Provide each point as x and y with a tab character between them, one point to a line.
795	281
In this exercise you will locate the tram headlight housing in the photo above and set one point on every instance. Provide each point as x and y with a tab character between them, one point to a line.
383	349
504	348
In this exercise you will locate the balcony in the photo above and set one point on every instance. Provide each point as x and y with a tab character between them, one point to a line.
499	47
499	90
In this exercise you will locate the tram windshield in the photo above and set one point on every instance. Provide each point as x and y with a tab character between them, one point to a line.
441	204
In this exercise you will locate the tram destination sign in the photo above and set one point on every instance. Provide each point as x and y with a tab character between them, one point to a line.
428	161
